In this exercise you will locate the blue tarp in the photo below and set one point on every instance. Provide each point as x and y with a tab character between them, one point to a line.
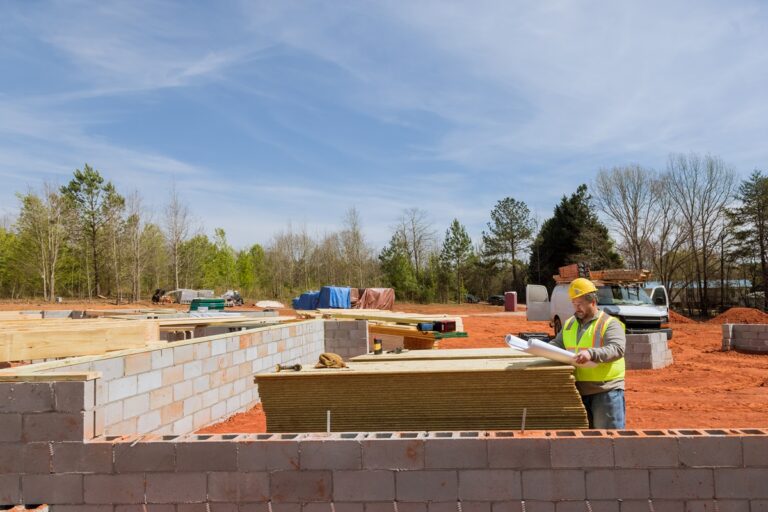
335	297
328	297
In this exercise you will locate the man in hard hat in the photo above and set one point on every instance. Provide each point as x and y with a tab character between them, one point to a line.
593	335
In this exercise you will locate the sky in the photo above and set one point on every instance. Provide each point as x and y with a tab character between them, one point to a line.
268	114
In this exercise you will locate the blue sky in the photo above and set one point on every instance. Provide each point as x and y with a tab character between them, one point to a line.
264	113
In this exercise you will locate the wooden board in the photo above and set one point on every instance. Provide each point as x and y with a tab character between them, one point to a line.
21	315
459	353
380	315
53	339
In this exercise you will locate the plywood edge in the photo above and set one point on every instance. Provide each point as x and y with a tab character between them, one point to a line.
49	376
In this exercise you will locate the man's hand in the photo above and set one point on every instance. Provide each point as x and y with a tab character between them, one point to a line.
582	357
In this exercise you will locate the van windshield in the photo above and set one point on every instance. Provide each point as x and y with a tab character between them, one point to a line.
622	295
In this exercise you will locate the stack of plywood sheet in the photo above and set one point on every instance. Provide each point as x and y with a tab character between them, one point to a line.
424	395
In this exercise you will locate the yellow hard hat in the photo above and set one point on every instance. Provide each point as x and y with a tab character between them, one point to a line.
580	286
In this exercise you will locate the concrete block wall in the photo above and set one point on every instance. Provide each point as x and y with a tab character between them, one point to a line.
647	351
746	338
348	338
180	387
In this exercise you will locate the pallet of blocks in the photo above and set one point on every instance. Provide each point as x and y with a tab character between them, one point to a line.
424	395
647	351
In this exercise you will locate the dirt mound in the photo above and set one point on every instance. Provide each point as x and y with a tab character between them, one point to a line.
677	318
740	316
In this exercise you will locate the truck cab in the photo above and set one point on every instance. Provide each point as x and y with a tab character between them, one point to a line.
640	312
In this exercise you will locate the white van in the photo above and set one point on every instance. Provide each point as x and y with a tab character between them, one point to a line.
631	303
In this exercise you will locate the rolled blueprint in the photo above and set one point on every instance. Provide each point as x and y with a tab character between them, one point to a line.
539	348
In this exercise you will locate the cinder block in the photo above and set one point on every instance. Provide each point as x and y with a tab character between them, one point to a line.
10	427
466	506
427	485
161	358
183	354
755	451
401	507
10	488
715	451
742	483
176	487
645	452
364	486
272	455
519	453
138	363
514	506
208	507
182	391
759	505
83	508
78	457
238	487
114	488
682	483
455	453
553	485
658	506
58	489
136	405
193	369
616	484
26	397
594	506
149	422
716	505
393	454
54	426
300	486
490	485
324	507
332	454
172	375
145	508
171	412
582	453
144	456
206	456
74	396
149	381
120	389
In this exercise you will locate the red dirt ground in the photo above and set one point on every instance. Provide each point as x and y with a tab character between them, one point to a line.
704	388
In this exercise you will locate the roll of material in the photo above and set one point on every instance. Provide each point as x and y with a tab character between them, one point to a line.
539	348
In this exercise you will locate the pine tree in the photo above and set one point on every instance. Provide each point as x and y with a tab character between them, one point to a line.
457	248
509	233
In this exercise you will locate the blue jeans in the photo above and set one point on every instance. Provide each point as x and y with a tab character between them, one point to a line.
605	410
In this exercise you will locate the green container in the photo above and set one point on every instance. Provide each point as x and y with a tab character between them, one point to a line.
211	304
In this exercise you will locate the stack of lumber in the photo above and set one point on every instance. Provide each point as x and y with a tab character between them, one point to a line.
433	355
383	316
424	395
621	275
569	271
27	340
408	336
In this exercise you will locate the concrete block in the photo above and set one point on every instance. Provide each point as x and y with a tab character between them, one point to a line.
201	384
149	422
658	506
114	488
715	451
138	363
582	452
519	453
273	455
150	381
218	347
172	375
193	369
26	397
332	454
113	413
110	369
606	484
742	483
201	418
160	397
401	507
161	358
192	404
238	487
182	390
427	485
55	426
595	506
144	457
58	489
364	486
10	488
552	485
136	405
300	486
646	452
338	507
78	457
755	451
682	483
466	506
759	505
455	453
490	485
176	487
122	388
171	412
10	427
24	458
183	354
716	505
393	454
206	456
202	350
145	508
74	396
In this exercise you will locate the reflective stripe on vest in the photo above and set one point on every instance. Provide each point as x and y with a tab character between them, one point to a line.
592	337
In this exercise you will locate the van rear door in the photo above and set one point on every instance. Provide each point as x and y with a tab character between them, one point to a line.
537	303
659	297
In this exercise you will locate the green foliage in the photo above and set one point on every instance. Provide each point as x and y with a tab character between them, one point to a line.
749	225
457	249
509	233
398	270
572	234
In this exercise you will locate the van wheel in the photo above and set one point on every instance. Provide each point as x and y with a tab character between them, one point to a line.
558	325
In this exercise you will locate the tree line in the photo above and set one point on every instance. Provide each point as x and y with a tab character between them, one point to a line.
692	224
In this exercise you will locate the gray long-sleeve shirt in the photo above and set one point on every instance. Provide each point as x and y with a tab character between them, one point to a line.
614	343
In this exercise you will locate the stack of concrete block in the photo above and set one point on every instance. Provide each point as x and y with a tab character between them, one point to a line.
647	351
746	338
348	338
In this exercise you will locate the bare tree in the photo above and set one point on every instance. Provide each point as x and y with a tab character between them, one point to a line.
177	226
135	224
418	235
702	189
626	195
355	251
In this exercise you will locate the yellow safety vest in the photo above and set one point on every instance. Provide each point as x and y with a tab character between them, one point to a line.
592	337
